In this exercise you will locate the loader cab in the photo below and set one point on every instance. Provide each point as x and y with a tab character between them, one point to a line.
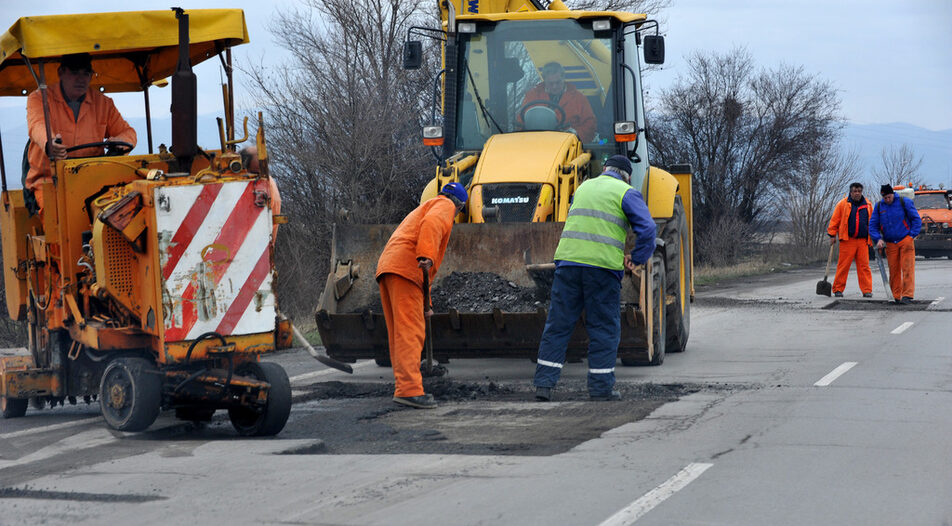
499	74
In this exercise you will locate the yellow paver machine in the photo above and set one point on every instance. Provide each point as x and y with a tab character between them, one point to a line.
145	280
521	161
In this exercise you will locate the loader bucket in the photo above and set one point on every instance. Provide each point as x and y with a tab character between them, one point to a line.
352	326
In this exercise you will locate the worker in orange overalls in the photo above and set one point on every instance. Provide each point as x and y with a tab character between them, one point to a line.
850	222
895	225
418	243
78	115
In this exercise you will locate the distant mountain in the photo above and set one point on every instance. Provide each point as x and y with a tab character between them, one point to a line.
935	148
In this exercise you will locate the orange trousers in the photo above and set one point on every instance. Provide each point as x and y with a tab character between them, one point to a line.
402	302
851	249
902	267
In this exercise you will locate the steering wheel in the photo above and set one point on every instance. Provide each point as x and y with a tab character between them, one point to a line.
113	148
541	102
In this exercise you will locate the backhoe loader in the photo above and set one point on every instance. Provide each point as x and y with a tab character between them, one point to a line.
145	280
521	159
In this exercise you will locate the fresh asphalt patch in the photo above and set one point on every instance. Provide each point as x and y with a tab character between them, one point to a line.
474	418
29	493
877	305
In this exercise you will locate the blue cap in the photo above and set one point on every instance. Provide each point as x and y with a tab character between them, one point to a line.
456	190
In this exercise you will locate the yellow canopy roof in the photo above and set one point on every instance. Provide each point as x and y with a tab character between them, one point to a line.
121	45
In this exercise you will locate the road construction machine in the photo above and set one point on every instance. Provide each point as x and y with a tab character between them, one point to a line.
521	156
935	208
145	280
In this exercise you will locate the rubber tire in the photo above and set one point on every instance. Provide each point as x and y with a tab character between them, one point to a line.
657	274
275	415
677	246
658	293
13	407
142	378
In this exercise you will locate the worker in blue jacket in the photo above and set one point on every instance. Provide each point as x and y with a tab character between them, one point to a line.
590	261
894	225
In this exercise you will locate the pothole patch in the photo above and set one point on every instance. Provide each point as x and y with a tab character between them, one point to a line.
42	494
876	305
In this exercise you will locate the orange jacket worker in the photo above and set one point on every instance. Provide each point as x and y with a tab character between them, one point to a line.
78	115
579	117
418	243
850	222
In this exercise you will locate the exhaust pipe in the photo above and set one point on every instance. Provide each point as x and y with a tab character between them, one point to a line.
184	101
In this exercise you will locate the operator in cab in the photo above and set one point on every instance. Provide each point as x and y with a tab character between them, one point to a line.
78	115
579	118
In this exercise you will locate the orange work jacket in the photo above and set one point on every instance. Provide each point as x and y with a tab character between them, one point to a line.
424	233
578	112
98	120
839	223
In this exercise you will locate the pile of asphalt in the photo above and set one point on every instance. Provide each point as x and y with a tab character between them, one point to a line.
483	292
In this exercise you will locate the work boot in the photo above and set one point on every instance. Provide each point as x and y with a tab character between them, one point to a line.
897	301
543	394
838	294
867	294
611	397
906	300
424	401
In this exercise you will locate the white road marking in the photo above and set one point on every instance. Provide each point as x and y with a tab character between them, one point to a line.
935	303
71	444
902	328
835	373
325	372
54	427
648	501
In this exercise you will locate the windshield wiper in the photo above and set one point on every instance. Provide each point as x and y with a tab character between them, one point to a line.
479	100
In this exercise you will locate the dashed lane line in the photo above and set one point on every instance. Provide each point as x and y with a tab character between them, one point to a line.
902	328
835	373
935	303
648	501
54	427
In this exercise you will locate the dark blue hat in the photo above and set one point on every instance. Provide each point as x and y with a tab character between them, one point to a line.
456	190
619	161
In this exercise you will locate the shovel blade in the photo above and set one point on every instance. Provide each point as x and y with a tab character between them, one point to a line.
824	288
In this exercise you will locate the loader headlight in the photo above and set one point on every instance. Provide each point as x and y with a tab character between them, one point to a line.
625	131
433	135
466	27
601	25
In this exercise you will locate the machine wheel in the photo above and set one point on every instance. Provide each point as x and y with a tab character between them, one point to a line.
271	420
660	322
13	407
130	394
658	314
677	278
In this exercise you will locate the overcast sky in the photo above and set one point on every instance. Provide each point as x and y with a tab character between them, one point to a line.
891	61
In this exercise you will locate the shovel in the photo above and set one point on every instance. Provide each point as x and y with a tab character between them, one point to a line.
428	368
882	272
825	288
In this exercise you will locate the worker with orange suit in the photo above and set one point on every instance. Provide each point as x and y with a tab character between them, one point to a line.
850	223
579	118
419	242
78	115
894	225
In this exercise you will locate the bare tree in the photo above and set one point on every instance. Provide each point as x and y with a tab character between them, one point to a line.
651	7
747	133
344	124
810	200
900	166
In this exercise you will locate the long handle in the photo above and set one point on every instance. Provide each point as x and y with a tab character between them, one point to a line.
324	359
428	342
829	260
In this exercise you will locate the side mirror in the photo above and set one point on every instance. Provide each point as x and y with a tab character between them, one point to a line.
412	54
654	49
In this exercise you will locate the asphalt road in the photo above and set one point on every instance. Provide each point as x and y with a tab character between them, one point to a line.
787	409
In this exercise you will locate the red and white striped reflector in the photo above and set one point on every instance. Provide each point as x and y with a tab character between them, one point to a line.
214	250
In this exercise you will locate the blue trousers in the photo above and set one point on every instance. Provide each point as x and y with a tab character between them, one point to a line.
598	292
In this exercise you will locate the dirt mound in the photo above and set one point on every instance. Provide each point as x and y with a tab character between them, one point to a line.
482	292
